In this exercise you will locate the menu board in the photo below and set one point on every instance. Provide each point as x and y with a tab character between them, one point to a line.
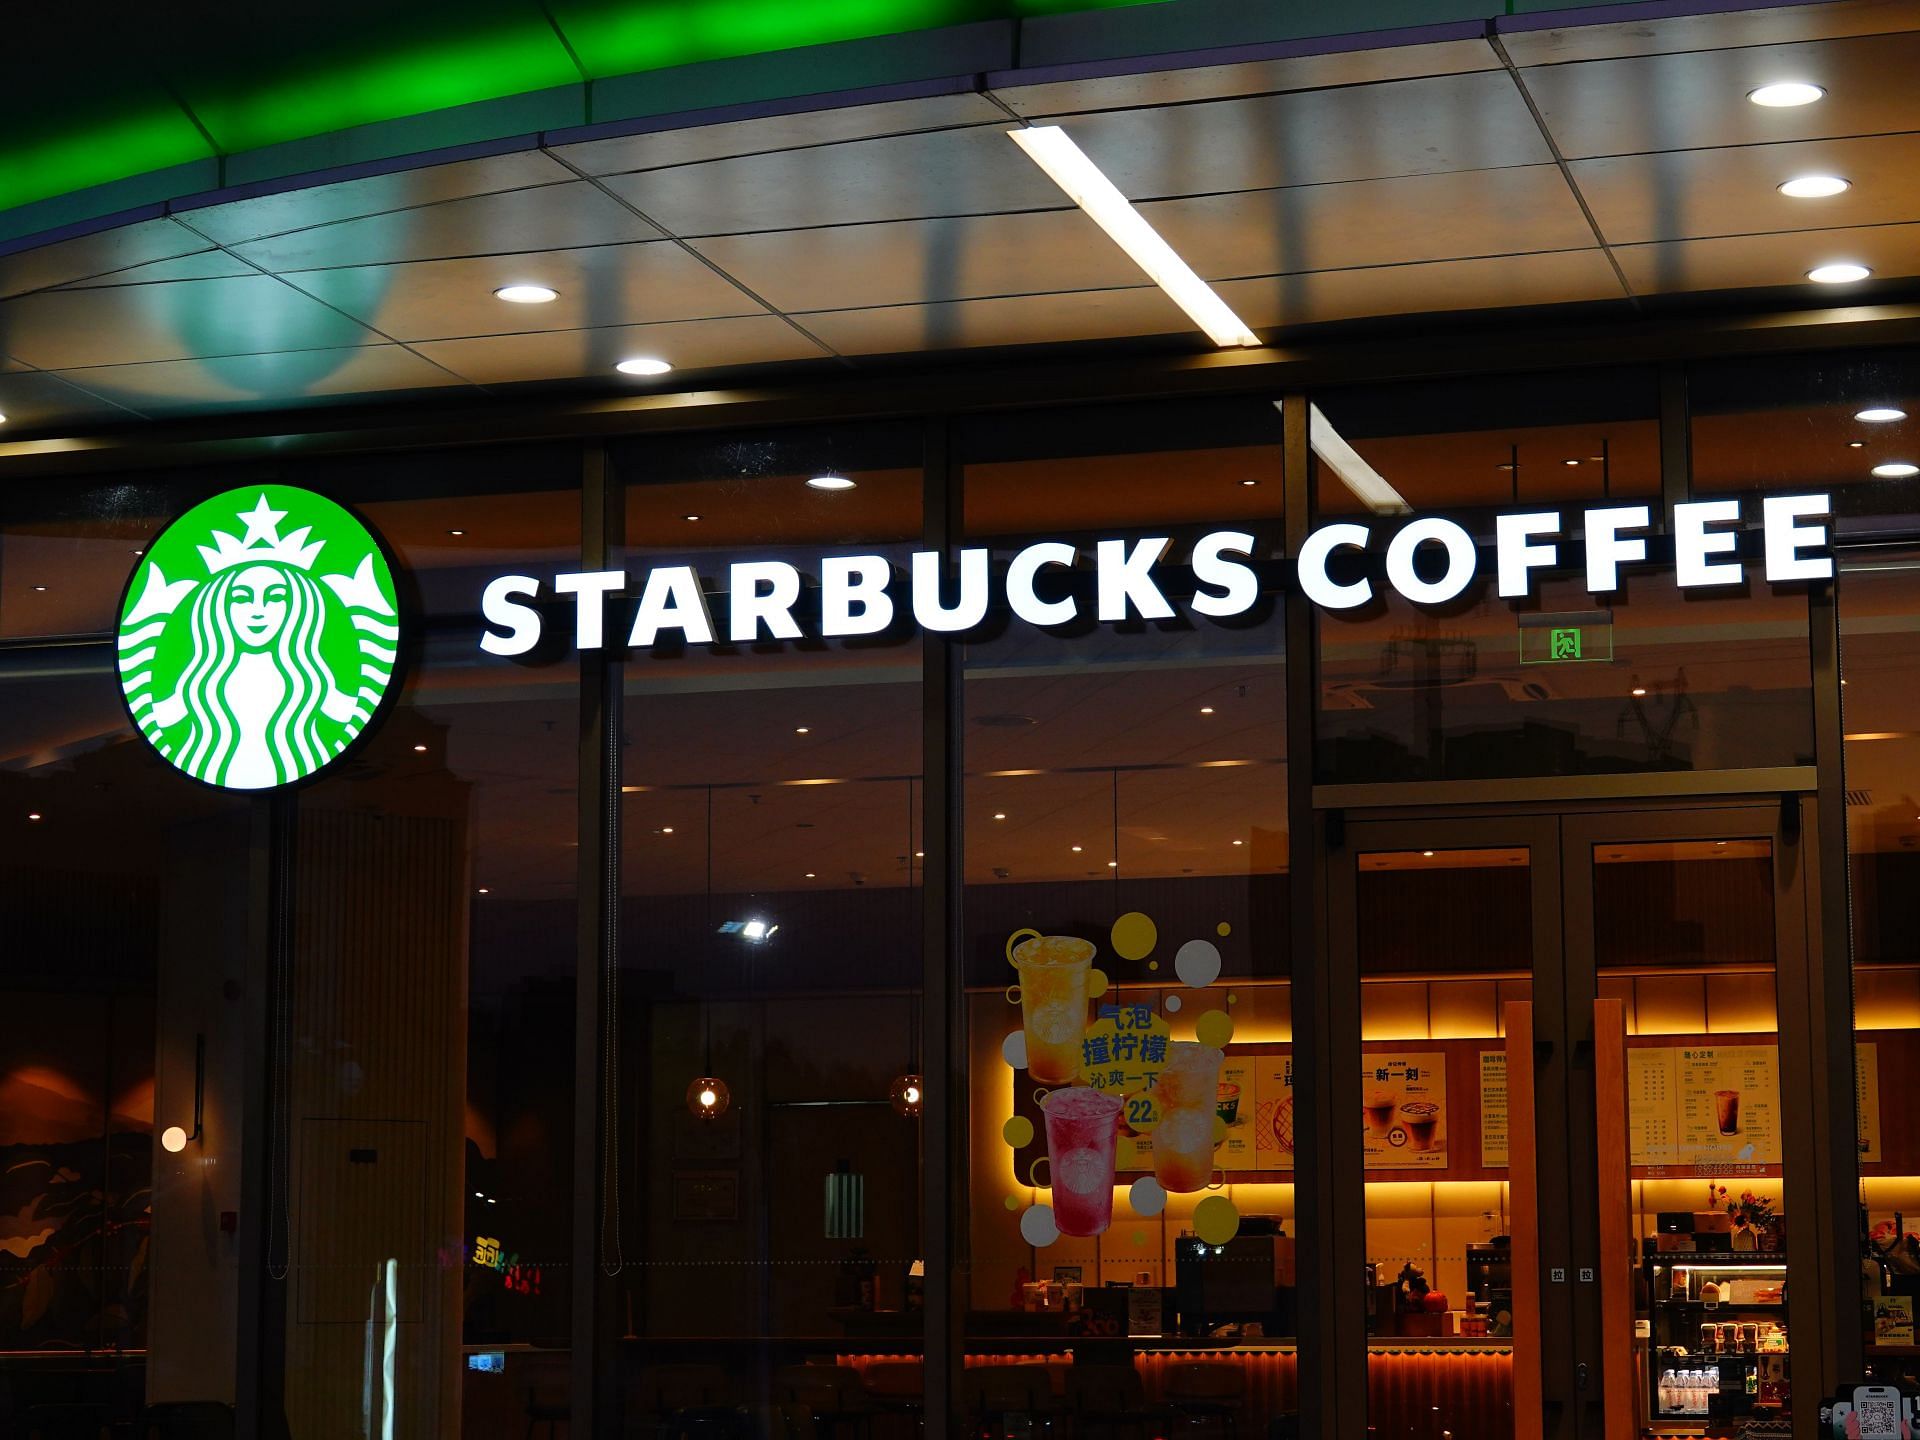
1403	1104
1493	1108
1700	1106
1238	1108
1866	1099
1273	1112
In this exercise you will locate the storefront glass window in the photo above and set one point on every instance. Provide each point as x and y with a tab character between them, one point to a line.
770	931
1126	859
426	1081
1563	683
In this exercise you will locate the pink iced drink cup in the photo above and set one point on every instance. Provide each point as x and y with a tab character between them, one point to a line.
1082	1126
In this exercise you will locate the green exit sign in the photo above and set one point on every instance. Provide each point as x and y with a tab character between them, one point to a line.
1566	639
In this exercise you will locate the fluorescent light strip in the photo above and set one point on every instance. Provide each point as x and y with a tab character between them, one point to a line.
1355	473
1067	165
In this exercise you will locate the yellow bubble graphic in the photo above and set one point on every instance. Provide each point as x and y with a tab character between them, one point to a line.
1017	1132
1134	936
1219	1130
1214	1028
1223	928
1215	1220
1153	964
1013	1202
1096	984
1139	1237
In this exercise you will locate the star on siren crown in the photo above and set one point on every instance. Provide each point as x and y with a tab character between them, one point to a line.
262	541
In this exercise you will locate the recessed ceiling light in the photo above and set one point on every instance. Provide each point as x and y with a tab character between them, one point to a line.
666	829
419	749
456	532
526	294
689	517
1879	414
1427	853
1839	272
1571	462
830	482
33	815
919	854
1815	187
1639	690
1113	864
1856	444
800	729
1076	849
1896	470
1239	842
809	875
643	365
40	589
999	814
1206	709
483	891
3	419
1249	482
1785	94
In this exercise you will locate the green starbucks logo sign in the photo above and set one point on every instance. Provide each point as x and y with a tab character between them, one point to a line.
258	637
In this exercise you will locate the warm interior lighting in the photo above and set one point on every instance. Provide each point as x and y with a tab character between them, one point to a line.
906	1094
830	482
1815	187
1067	165
1785	94
173	1139
708	1097
526	294
643	365
1896	470
1838	272
1879	414
1368	485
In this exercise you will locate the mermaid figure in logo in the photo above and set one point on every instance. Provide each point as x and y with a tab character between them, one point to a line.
258	680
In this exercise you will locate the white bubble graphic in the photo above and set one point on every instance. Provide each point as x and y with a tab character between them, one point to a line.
1037	1226
1173	1004
1197	963
1013	1049
1147	1197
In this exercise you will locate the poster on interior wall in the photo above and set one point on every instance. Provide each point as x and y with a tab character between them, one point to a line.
1866	1099
1272	1112
1493	1108
1238	1110
1403	1103
1704	1105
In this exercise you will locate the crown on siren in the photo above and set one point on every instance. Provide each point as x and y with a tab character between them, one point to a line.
262	541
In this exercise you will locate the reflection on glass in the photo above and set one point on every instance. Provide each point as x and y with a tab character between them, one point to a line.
1445	942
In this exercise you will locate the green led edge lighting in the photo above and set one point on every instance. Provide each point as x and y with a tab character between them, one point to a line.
611	38
258	638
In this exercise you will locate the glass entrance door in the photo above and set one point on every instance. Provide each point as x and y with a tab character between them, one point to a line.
1577	1145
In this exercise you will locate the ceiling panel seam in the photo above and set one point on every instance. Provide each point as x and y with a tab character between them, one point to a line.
1559	159
259	269
689	250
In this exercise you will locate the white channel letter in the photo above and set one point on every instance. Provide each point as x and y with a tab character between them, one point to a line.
853	595
1020	572
1430	531
1606	550
1515	556
1239	586
521	622
1786	539
1123	576
968	611
1693	543
1313	568
671	600
589	589
748	605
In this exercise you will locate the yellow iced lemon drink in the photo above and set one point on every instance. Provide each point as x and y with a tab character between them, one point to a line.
1187	1095
1053	1004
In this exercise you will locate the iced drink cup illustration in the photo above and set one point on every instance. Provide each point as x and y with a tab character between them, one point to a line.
1053	1003
1378	1108
1187	1095
1726	1104
1420	1118
1082	1125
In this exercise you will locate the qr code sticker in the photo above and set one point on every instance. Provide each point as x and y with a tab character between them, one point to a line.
1879	1415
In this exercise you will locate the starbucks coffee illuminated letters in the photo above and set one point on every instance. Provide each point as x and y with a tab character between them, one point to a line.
1428	561
258	637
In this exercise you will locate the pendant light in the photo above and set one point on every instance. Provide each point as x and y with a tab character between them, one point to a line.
707	1094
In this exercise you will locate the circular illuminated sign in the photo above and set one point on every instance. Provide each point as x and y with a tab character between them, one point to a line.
258	637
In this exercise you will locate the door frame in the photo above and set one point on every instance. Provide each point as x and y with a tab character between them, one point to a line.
1560	837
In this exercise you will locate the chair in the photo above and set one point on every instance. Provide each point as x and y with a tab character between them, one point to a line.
187	1420
897	1389
991	1393
1108	1402
827	1396
1207	1394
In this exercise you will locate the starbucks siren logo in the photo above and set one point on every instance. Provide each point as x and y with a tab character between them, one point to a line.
258	637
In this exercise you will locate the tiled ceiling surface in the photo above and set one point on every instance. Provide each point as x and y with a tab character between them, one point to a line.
1613	164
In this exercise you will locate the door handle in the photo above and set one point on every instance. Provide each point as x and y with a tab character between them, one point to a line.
1580	1377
